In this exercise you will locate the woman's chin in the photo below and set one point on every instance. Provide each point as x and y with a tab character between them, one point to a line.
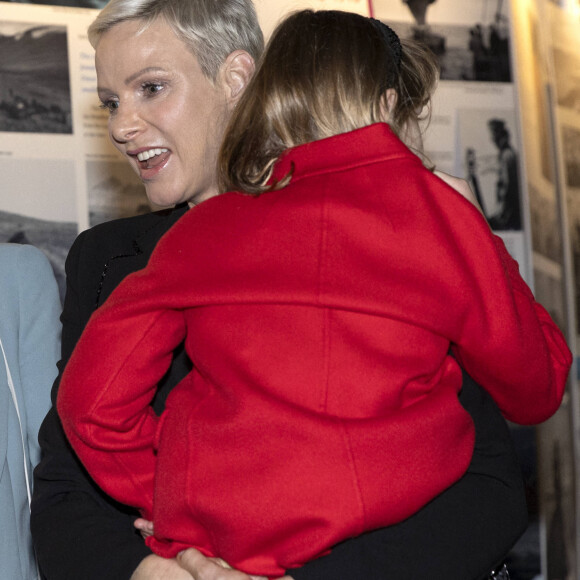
162	200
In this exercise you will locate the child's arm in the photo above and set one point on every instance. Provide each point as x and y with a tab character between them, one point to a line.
110	380
553	338
539	352
508	343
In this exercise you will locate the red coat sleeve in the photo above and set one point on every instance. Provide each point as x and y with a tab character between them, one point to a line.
518	353
500	334
109	382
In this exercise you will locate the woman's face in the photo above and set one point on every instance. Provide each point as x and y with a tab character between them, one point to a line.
165	116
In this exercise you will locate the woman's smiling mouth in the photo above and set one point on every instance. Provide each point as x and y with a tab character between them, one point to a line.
152	158
145	155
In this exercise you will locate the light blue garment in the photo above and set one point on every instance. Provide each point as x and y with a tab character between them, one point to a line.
30	335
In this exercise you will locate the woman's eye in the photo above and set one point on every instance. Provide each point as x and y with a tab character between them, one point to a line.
152	88
110	105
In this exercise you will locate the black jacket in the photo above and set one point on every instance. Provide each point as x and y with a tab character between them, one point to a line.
80	533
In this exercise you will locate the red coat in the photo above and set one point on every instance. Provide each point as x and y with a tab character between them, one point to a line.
323	401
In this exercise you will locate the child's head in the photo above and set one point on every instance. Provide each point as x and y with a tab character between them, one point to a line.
324	73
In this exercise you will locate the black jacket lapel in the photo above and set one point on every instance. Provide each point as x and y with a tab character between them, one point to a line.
138	248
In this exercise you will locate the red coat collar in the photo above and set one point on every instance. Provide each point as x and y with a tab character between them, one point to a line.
370	144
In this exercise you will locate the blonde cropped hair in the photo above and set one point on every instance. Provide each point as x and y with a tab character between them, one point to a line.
322	73
212	29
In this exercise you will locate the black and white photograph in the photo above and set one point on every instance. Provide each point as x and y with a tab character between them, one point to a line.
571	144
491	161
53	238
115	191
31	216
477	50
34	79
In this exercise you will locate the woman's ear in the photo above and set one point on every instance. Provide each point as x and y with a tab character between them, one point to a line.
236	72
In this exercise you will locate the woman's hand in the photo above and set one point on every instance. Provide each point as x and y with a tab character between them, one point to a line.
190	562
155	567
202	568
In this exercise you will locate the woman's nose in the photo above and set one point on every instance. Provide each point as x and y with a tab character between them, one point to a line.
125	124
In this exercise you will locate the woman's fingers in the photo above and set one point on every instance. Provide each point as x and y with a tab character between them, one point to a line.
204	568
